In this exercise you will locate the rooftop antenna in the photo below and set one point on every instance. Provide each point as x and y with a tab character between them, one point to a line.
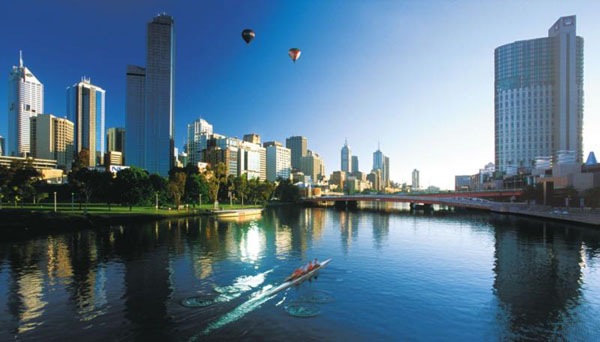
346	141
20	58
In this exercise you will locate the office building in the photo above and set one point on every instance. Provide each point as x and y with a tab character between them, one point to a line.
415	185
2	146
346	155
115	139
272	143
135	123
338	178
25	99
376	179
386	171
113	158
312	165
279	162
214	155
539	97
252	138
381	162
298	146
198	133
251	160
85	108
52	138
159	95
355	168
462	183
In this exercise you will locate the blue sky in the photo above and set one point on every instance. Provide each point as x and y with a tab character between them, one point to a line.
415	75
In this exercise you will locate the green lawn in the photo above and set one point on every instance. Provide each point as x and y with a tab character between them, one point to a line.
102	208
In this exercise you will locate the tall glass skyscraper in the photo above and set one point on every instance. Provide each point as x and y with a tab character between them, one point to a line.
346	157
160	95
135	124
539	97
85	108
25	99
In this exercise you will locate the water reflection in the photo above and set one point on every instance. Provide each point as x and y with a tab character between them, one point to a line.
126	282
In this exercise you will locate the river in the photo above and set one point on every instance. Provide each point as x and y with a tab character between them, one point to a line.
393	276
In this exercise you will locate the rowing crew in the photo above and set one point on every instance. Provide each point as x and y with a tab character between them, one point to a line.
300	271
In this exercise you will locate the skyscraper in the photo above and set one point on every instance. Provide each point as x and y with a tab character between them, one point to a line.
52	138
25	99
346	157
355	167
159	95
312	165
415	180
115	139
386	171
539	97
298	146
135	122
85	108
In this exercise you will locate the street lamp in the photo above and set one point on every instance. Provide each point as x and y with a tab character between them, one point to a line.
72	201
200	201
156	205
54	201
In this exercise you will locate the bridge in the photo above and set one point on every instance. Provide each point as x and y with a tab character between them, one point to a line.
467	199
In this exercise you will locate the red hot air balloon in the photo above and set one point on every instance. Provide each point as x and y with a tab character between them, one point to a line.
248	35
294	54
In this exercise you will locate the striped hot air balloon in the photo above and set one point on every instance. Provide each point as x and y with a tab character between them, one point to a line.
294	54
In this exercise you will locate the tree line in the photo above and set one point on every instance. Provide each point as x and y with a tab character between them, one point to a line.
20	183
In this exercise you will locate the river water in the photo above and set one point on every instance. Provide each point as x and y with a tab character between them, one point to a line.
393	276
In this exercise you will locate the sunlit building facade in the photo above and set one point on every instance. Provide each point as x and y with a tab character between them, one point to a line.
279	163
86	109
539	97
25	99
52	138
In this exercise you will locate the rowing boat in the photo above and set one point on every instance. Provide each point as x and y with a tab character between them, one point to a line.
298	280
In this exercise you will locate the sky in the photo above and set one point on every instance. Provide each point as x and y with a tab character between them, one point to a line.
415	76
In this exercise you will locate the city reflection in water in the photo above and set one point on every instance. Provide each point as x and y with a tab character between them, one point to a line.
126	282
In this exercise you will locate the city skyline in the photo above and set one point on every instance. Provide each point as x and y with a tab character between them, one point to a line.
206	97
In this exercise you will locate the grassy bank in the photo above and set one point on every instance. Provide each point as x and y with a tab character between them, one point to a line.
27	219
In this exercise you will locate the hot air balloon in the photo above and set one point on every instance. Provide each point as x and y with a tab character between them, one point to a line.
248	35
294	54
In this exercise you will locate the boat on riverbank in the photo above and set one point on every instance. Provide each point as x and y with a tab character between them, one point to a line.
235	213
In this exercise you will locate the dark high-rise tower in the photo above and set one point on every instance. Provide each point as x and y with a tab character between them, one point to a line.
160	95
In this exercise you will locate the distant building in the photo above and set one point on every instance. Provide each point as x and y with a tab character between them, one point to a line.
229	156
251	160
25	99
52	138
2	146
272	143
113	158
198	133
312	165
376	179
338	178
386	171
346	158
355	167
252	138
37	163
115	139
279	162
298	147
591	160
462	183
86	109
539	97
135	122
381	162
415	185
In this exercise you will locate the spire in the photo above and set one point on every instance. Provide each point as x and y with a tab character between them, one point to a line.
378	145
20	58
345	141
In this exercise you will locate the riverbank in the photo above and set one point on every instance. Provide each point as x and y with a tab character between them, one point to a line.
24	221
585	216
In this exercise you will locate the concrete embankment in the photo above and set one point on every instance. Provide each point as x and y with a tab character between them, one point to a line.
574	215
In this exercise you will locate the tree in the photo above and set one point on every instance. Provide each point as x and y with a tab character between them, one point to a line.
286	191
240	185
195	186
218	176
176	187
87	183
20	184
159	187
134	186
